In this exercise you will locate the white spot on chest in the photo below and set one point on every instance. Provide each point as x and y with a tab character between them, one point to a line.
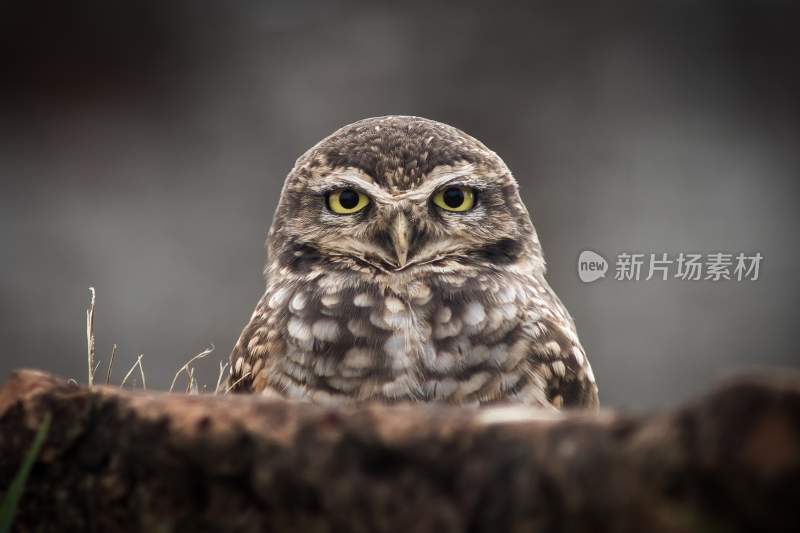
326	330
298	302
362	300
474	314
278	298
394	305
330	300
299	329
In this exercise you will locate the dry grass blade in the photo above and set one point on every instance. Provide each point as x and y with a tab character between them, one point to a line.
192	387
90	336
232	385
141	372
186	366
222	367
191	381
137	363
110	364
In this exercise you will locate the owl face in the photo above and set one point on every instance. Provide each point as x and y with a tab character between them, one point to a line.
410	194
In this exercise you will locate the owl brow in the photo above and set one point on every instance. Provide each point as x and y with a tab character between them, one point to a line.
338	181
429	187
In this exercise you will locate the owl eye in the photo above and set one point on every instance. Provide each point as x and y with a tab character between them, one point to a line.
347	201
455	199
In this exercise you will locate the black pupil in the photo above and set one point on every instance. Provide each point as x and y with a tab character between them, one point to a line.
348	198
453	197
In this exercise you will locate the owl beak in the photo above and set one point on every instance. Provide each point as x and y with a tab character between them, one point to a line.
400	232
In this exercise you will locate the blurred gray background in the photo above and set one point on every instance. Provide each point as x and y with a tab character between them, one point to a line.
143	146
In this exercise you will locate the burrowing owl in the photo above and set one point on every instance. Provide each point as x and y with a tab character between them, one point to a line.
403	266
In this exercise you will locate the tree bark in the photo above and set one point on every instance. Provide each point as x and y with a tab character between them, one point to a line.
117	460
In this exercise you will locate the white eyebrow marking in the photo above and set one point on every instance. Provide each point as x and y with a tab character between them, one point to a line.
360	179
351	176
449	171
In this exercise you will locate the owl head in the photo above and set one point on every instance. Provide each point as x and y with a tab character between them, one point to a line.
398	194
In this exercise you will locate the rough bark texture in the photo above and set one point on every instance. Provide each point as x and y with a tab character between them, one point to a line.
125	461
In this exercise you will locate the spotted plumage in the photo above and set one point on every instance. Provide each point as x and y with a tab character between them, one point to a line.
382	286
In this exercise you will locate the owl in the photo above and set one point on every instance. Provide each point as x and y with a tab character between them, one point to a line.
402	267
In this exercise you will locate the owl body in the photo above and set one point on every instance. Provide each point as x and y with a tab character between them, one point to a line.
403	266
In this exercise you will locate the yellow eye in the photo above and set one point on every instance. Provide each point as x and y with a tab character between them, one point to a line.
347	201
455	199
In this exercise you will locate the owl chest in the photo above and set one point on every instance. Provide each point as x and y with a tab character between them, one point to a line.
403	336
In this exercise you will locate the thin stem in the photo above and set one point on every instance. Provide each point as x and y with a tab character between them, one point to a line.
139	363
236	383
110	364
90	336
222	367
185	367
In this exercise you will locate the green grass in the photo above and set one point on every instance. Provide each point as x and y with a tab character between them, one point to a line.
8	507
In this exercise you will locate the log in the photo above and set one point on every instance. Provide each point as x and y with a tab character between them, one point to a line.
117	460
